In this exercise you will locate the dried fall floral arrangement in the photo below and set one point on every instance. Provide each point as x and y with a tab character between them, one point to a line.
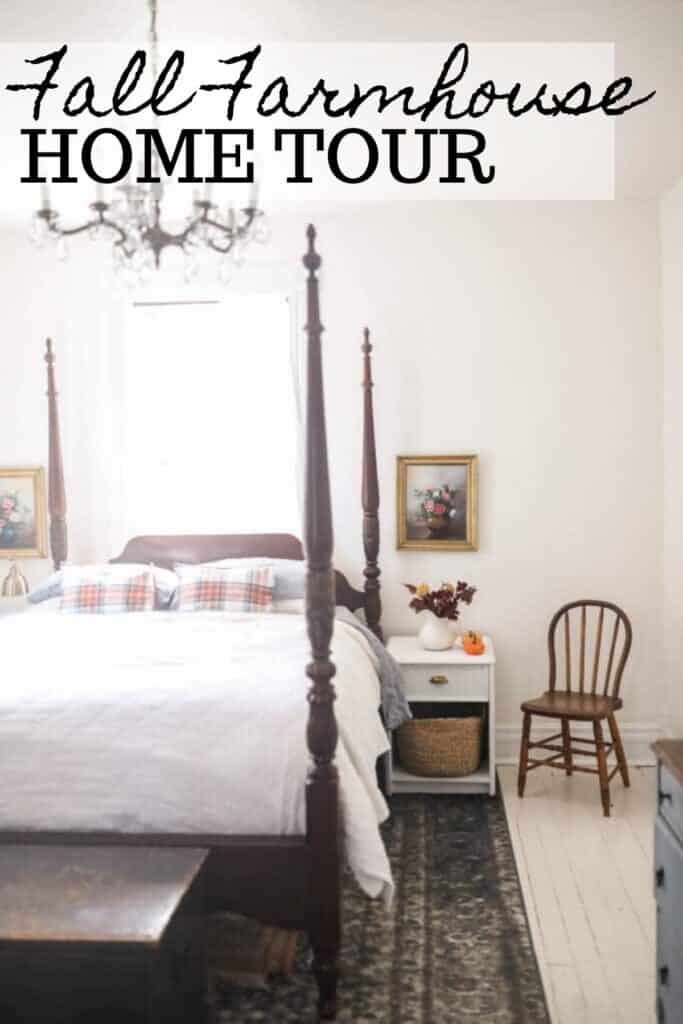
443	601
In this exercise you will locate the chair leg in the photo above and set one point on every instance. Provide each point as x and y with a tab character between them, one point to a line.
524	753
619	749
567	747
602	767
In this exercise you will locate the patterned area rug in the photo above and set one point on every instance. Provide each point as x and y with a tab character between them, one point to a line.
453	949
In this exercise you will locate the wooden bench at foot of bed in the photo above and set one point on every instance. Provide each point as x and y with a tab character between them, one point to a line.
107	934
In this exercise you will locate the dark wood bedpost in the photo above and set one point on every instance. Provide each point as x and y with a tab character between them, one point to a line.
373	601
322	795
56	493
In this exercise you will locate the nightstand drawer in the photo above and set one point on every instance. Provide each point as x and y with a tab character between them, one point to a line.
462	682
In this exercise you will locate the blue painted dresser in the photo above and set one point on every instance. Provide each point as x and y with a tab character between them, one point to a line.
669	880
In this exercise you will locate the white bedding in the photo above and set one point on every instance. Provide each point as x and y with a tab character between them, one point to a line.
162	722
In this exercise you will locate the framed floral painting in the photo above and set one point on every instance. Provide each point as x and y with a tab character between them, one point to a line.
23	524
437	502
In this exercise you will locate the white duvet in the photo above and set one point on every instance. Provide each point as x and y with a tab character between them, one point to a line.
169	722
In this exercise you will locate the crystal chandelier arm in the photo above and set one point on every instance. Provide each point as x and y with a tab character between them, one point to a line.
120	243
50	217
230	232
228	229
223	250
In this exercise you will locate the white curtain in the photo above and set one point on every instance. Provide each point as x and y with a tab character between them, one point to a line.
211	417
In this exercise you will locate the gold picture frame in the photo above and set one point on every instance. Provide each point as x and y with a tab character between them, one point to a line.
23	520
449	484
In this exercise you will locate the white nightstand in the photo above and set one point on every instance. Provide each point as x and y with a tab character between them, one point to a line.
471	679
12	605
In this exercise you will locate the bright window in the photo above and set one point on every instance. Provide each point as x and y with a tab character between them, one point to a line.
209	418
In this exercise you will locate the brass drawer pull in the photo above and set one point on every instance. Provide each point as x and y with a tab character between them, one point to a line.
438	680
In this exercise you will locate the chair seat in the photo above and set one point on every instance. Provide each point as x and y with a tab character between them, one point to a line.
560	704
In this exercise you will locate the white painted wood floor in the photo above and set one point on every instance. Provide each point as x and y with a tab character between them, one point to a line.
587	885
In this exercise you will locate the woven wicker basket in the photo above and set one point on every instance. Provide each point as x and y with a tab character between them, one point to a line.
440	747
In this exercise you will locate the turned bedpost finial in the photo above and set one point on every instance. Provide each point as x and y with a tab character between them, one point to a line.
370	497
366	349
56	491
311	258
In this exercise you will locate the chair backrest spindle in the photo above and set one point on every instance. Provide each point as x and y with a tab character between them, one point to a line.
619	648
610	660
567	652
582	656
596	659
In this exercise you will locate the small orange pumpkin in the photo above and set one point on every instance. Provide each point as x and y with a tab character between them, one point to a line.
473	643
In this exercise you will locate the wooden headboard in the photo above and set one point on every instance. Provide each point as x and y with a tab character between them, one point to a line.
192	549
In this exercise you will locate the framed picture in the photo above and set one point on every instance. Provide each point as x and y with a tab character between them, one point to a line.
437	502
23	524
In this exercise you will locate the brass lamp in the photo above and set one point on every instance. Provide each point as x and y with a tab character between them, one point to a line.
15	583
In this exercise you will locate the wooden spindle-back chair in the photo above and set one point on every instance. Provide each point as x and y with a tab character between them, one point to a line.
585	689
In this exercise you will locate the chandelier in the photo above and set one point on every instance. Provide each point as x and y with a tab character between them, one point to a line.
134	222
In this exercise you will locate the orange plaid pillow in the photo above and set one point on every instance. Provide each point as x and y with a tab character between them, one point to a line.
208	588
107	593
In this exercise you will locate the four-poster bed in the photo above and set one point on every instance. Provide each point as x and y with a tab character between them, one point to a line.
292	881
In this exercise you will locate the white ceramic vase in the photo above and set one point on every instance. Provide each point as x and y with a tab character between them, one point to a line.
435	634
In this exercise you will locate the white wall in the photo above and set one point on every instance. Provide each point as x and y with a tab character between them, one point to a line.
671	235
42	297
526	332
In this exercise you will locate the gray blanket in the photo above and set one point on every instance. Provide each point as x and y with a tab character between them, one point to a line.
395	708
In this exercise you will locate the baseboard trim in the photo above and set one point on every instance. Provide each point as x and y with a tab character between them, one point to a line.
637	740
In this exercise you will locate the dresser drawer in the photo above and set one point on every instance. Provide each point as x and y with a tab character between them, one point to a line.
669	879
670	800
669	895
463	682
669	982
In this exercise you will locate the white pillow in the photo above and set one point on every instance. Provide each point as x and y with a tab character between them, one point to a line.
290	606
47	589
297	606
46	607
290	573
